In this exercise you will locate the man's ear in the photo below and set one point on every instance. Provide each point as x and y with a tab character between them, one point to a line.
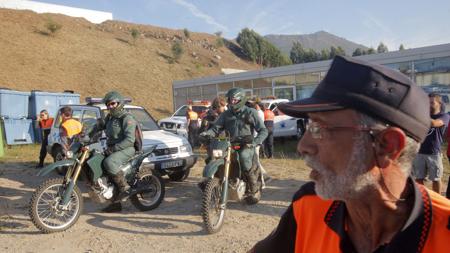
390	144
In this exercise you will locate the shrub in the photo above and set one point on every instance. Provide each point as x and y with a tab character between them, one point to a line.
52	26
177	50
134	33
219	42
186	32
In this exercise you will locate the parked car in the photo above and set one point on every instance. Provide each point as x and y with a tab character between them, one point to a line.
177	122
173	155
284	125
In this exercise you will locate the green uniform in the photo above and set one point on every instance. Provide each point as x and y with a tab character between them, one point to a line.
120	133
241	123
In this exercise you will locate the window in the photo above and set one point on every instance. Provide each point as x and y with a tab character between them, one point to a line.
262	93
244	84
434	72
224	86
89	117
287	93
181	112
284	80
403	67
262	83
307	78
305	91
76	114
143	118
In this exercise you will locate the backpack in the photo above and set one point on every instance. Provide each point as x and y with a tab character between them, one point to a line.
138	136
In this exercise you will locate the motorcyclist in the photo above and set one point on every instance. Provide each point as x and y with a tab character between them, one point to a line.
120	128
241	121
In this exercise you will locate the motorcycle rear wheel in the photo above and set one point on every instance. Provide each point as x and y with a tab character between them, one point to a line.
153	194
213	216
46	213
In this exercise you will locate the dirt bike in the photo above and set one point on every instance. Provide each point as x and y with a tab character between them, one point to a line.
57	203
225	181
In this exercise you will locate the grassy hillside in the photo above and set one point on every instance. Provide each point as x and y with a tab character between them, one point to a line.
92	59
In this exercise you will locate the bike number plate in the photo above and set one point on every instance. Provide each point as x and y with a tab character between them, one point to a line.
171	164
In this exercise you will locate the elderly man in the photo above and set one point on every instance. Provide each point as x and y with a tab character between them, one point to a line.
365	125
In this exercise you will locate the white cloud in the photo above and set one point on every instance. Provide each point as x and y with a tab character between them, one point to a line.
198	13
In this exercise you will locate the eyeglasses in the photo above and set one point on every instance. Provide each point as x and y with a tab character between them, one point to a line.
319	131
112	104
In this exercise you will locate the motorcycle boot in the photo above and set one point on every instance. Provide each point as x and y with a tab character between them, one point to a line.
253	194
124	188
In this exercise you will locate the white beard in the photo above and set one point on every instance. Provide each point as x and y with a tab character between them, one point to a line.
350	182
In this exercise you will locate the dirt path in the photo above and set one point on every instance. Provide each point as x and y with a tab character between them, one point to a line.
175	226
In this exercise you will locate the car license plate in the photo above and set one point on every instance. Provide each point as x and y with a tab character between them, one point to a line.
171	164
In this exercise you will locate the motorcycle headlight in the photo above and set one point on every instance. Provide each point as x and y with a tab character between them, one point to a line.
217	153
69	154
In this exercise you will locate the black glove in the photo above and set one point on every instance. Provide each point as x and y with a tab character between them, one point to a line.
108	151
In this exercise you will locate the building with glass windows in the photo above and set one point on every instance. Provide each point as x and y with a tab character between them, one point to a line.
427	66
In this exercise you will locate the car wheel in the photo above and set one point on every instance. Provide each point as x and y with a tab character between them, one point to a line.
179	176
58	155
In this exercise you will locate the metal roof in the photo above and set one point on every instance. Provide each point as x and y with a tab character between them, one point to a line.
321	66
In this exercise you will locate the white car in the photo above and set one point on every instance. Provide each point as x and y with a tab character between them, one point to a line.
284	125
177	122
173	155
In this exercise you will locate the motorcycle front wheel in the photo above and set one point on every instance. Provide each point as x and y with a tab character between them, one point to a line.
213	216
46	212
151	193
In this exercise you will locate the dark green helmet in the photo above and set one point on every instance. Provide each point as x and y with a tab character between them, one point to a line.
114	96
236	98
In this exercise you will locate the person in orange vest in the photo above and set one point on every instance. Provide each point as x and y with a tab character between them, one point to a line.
70	128
365	124
269	117
193	126
45	124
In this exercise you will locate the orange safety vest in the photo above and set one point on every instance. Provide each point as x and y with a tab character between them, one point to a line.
320	228
268	115
312	224
192	115
72	127
45	124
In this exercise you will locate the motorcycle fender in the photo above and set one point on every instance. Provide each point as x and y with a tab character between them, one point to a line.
49	168
212	167
95	164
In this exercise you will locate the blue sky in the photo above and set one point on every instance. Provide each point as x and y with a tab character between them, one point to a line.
413	23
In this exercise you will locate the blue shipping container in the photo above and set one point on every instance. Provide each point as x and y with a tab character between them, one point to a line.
18	131
50	101
14	104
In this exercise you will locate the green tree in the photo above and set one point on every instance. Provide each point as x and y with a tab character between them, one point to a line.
371	51
259	50
336	51
357	52
401	47
324	54
297	53
382	48
248	42
186	32
177	50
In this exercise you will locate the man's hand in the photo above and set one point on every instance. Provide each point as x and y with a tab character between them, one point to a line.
108	151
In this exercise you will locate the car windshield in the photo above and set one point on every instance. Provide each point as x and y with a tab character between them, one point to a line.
200	109
142	116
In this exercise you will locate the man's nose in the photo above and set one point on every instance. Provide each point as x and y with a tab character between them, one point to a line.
306	145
